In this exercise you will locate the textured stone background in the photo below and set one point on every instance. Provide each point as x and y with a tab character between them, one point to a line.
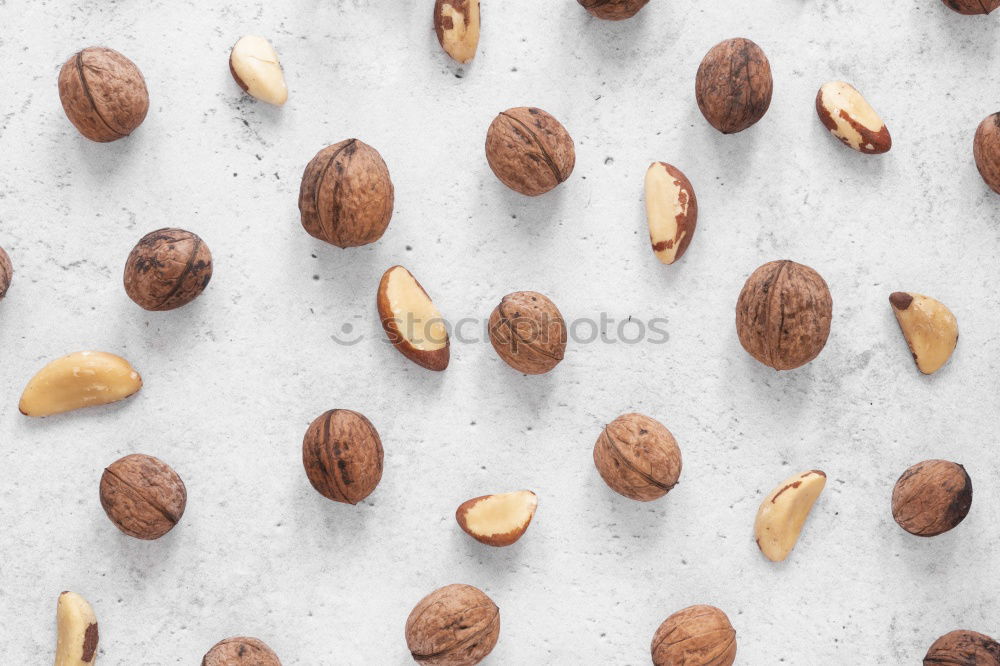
233	380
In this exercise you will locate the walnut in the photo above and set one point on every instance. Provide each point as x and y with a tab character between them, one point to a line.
528	332
613	10
695	636
142	496
456	625
963	648
972	6
783	314
342	454
638	457
986	150
733	85
240	651
6	273
103	94
167	268
529	150
346	196
932	497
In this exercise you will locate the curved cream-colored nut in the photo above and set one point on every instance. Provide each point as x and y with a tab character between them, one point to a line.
671	211
456	23
783	512
254	64
76	631
411	320
497	520
851	119
83	379
930	329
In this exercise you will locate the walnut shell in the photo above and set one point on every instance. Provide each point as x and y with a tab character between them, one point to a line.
456	625
342	454
613	10
103	94
346	196
6	273
963	648
528	332
972	6
168	268
986	150
240	651
143	496
529	150
638	457
733	86
695	636
932	497
783	314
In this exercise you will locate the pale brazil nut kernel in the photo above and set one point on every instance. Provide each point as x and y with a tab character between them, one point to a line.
929	327
963	648
497	520
671	211
972	6
103	94
240	651
733	86
695	636
456	625
529	150
143	496
850	118
6	272
986	150
784	511
613	10
528	332
638	457
76	631
411	321
342	455
253	62
82	379
456	23
932	497
167	269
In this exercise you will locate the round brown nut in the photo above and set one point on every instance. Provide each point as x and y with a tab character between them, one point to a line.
342	454
456	625
529	150
528	332
613	10
143	496
166	269
783	314
346	196
963	648
932	497
6	272
972	6
986	150
638	457
733	86
103	94
695	636
240	651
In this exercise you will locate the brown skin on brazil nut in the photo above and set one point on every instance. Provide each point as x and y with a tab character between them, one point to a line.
103	94
695	636
932	497
143	496
456	625
972	6
528	332
529	150
963	648
638	457
240	651
613	10
6	272
733	86
342	454
168	268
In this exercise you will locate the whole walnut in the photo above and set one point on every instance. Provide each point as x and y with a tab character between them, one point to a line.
456	625
528	332
143	496
240	651
346	196
103	94
733	86
342	454
167	268
783	314
529	150
932	497
963	648
613	10
986	150
695	636
972	6
638	457
6	273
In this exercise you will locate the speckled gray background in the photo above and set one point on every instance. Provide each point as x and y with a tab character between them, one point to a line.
233	380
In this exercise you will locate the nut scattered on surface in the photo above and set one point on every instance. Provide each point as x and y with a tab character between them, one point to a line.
963	648
783	314
783	513
240	651
342	454
6	272
529	150
638	457
528	332
695	636
671	211
143	496
411	320
456	625
972	6
850	118
76	631
456	23
613	10
168	268
986	150
103	94
932	497
733	86
346	196
497	520
930	329
82	379
254	64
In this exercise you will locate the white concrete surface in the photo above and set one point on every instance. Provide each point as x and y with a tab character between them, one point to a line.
233	380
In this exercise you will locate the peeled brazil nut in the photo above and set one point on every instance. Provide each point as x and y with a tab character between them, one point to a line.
528	332
932	497
411	321
671	211
82	379
103	94
613	10
529	150
972	6
497	520
456	23
929	327
784	511
253	62
240	651
638	457
986	150
76	631
456	625
850	118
